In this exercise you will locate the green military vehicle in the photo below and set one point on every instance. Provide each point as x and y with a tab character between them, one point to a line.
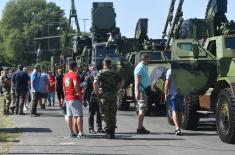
103	22
203	68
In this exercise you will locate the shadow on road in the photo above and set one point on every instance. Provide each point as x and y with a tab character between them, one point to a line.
17	130
65	153
132	136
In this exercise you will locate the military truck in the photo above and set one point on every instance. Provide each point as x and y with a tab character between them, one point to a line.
103	22
203	68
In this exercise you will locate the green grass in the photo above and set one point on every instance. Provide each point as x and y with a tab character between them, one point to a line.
7	137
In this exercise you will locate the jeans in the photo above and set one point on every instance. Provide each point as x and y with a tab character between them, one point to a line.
51	98
176	103
94	107
36	97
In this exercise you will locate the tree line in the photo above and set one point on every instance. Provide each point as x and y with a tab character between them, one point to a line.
24	20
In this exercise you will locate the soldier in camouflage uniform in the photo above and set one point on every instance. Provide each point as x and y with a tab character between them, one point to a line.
108	82
13	92
6	88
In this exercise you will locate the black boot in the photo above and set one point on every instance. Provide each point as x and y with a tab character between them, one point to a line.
112	134
107	134
12	110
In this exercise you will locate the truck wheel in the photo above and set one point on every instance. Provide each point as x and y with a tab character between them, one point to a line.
225	115
190	117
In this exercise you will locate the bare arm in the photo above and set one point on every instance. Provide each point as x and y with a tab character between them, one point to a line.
166	88
96	87
77	88
137	87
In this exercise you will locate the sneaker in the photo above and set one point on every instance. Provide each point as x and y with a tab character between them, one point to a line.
142	131
35	115
72	135
81	136
92	131
25	108
178	132
43	106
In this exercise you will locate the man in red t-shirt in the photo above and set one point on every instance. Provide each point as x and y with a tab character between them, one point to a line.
73	97
51	89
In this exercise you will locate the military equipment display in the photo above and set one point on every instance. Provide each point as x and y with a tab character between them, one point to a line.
203	66
106	41
103	22
132	49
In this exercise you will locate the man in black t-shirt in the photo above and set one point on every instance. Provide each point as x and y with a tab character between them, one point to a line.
59	86
93	100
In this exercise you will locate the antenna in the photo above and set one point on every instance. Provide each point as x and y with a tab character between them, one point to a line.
73	14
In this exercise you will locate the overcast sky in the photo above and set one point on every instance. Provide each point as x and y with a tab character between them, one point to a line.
129	11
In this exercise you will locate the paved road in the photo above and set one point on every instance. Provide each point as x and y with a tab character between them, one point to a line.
47	135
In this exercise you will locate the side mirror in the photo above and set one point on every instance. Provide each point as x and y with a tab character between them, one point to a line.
195	51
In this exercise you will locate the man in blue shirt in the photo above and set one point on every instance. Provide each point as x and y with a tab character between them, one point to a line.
20	80
175	102
142	81
35	89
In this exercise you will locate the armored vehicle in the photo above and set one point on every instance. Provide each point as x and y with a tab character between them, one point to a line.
203	68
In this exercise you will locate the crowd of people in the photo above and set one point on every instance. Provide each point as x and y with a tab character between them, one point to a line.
98	89
21	87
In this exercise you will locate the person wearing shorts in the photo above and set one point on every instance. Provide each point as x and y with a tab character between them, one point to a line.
73	97
175	102
142	81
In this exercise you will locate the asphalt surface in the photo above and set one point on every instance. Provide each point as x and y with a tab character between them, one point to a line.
48	133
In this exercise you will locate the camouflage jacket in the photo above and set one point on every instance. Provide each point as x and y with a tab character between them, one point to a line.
108	81
6	83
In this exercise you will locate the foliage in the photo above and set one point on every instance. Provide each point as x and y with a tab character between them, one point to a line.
45	66
24	20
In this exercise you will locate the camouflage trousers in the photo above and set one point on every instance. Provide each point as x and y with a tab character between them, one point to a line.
7	101
108	112
13	98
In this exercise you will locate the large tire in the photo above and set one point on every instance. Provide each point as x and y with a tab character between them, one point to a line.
225	115
190	117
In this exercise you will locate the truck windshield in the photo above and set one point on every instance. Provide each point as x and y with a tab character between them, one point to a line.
230	43
102	51
155	56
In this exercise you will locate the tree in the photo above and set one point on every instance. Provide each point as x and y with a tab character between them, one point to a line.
24	20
